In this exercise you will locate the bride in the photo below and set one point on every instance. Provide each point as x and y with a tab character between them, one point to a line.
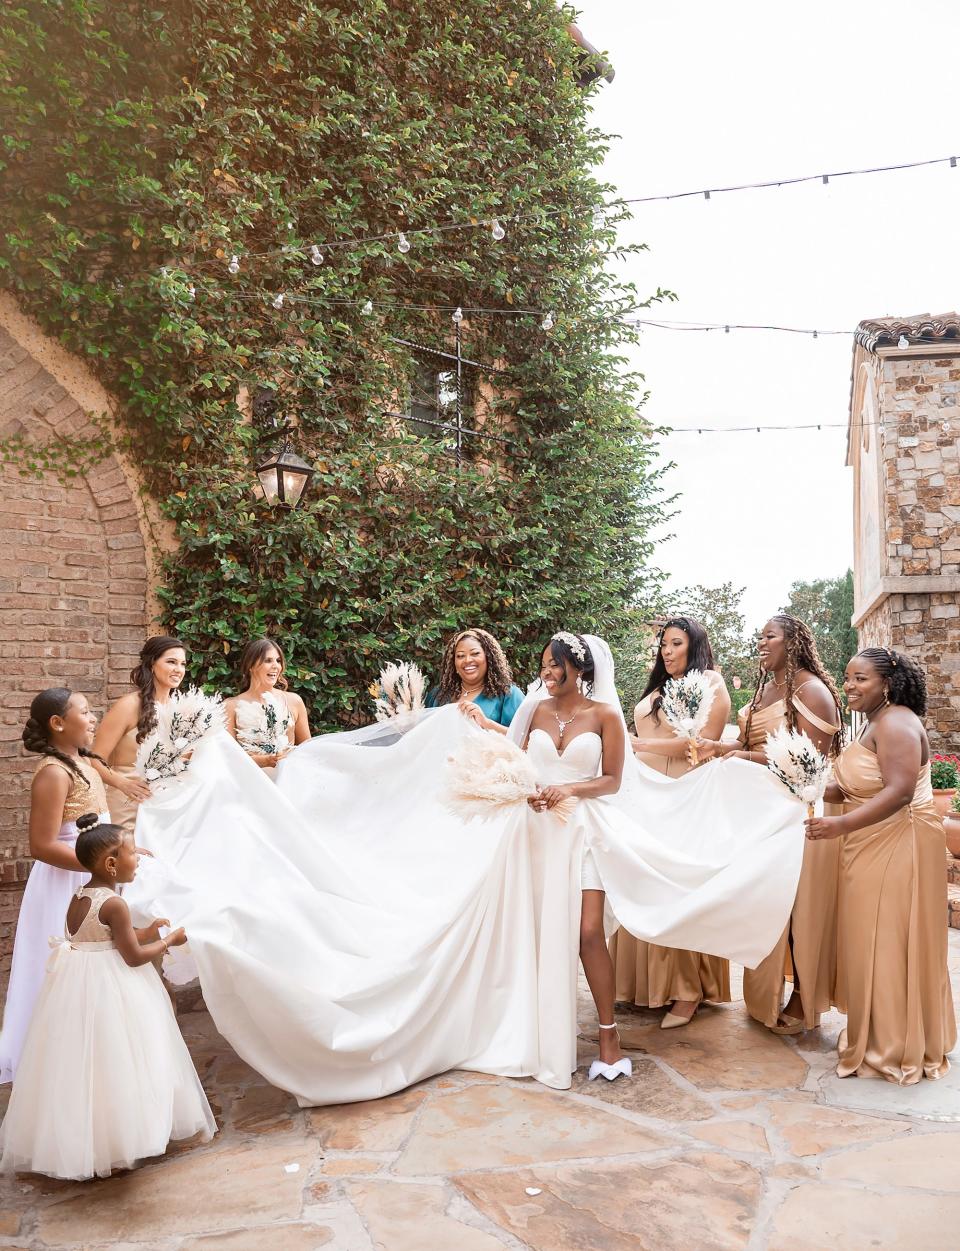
354	934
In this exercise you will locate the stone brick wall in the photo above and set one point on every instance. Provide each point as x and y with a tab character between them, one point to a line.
73	591
911	400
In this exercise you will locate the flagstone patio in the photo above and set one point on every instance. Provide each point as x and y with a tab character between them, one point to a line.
727	1139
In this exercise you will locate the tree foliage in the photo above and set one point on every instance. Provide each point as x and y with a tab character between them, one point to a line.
146	144
826	605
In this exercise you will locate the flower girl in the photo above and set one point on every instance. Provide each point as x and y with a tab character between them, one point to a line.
105	1078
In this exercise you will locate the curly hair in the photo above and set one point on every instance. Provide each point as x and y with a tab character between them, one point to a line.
801	648
498	680
563	652
905	680
94	839
36	733
142	679
255	652
699	656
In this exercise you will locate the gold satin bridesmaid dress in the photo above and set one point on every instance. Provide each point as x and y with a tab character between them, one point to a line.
807	950
652	976
892	980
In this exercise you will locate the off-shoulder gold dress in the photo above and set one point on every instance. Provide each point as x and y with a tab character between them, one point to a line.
652	976
892	981
807	950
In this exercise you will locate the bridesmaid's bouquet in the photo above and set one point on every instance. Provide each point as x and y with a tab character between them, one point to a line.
400	691
794	761
490	772
183	721
269	736
685	703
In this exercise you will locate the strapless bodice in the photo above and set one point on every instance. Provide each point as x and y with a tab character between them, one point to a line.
579	760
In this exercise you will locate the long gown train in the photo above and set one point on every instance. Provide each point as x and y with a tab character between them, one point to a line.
353	935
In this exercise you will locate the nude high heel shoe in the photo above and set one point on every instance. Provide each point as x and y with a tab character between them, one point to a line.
623	1067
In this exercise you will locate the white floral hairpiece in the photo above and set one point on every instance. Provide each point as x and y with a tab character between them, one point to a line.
575	644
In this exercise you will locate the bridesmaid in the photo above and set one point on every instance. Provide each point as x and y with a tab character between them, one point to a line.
648	975
65	786
265	712
794	689
893	981
474	674
161	669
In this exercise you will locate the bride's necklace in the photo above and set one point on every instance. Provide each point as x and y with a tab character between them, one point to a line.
563	724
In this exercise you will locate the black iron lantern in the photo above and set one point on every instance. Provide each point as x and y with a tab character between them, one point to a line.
284	476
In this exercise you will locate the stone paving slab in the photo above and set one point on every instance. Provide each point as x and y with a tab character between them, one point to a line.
726	1139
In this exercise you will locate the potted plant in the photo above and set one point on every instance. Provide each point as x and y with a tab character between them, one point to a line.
951	826
944	778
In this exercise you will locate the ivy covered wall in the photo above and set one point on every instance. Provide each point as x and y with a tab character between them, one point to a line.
144	145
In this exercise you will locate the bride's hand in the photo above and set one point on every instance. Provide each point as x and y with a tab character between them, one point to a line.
550	796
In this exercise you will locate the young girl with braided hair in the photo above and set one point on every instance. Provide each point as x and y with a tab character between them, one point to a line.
893	980
106	1079
65	784
794	690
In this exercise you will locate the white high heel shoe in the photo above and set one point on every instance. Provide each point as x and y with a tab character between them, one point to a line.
624	1066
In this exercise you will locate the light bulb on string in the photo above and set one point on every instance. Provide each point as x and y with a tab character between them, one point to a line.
192	291
903	342
277	300
497	231
548	322
403	243
316	256
367	308
457	315
234	266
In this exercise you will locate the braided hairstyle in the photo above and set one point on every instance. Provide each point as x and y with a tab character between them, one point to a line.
256	651
699	656
498	680
906	681
142	679
52	702
563	651
95	838
801	649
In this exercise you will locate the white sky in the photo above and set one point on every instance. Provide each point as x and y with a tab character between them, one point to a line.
708	94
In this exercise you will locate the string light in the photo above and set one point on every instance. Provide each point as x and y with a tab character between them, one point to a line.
278	300
316	256
234	266
403	243
367	309
547	323
192	291
903	342
542	214
457	315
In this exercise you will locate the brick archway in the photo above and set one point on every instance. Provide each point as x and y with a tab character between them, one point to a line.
75	574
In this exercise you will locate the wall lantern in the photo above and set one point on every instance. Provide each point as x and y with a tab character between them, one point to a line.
284	476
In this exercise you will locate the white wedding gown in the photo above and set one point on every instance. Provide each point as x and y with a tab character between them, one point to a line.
353	934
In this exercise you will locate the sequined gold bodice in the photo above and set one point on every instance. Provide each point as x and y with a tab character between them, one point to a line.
80	798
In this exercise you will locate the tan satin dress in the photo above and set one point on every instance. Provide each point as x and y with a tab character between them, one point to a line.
893	981
123	811
807	950
652	976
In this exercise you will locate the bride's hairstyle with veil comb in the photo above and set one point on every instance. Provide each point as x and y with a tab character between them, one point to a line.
566	647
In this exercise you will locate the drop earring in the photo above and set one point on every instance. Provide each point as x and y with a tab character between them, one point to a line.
580	683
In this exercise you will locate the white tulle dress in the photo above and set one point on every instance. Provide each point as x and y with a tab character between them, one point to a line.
354	934
105	1078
